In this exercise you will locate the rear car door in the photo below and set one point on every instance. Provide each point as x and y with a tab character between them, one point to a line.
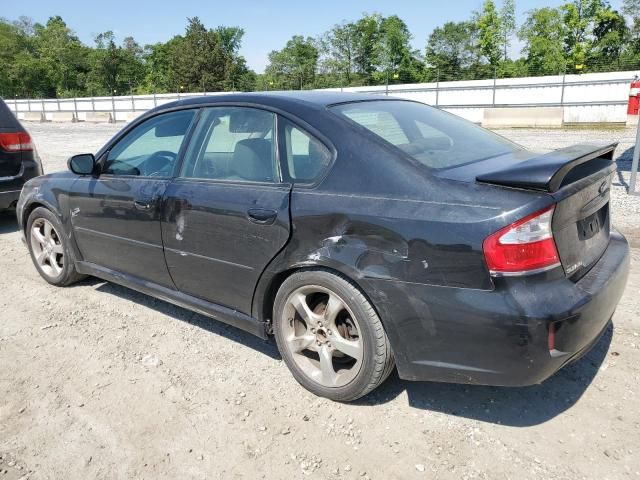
116	216
227	213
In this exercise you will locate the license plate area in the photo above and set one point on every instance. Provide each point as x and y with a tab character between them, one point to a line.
589	227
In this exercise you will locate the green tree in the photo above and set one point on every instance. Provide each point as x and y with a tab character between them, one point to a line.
156	58
543	33
490	30
451	49
339	46
115	69
507	23
397	58
293	67
62	55
579	16
197	61
367	46
610	35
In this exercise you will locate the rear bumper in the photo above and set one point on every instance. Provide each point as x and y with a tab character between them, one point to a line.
10	187
8	199
500	337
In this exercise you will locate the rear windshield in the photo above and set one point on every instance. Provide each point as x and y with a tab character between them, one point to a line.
7	119
434	138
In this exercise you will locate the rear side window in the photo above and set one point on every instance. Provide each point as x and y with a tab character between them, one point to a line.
434	138
306	157
7	120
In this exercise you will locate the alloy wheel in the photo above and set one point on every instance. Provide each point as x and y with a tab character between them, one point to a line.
47	248
323	336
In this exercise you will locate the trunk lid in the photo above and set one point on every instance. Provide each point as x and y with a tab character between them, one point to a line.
579	180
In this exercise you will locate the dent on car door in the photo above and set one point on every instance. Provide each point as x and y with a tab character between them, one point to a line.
116	215
227	213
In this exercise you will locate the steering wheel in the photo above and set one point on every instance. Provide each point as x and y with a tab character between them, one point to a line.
159	163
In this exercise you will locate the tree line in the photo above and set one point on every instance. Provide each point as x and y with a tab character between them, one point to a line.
579	36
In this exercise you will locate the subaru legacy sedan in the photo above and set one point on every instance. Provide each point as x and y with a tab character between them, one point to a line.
364	233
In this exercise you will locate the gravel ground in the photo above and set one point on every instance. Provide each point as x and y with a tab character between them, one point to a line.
97	381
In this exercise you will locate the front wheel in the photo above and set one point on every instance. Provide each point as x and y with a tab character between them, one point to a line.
330	336
49	248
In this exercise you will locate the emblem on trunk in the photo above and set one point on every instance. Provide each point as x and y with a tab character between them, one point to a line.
602	187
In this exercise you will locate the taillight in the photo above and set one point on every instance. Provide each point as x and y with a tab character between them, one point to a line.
15	142
525	246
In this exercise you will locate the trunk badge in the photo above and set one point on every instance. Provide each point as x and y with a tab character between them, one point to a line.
603	187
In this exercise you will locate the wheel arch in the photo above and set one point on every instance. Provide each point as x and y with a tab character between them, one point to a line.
267	290
31	206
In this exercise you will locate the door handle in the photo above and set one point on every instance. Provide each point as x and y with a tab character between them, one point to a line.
262	216
141	205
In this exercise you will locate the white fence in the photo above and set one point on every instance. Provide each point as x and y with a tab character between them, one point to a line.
588	98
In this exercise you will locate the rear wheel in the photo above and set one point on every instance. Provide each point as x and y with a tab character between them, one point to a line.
49	248
330	336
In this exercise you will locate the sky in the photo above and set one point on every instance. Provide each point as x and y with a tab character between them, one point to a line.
267	24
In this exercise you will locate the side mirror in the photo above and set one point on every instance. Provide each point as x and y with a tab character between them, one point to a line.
83	164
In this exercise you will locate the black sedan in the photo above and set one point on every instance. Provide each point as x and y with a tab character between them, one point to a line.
362	232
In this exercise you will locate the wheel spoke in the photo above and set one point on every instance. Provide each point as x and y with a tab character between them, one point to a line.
299	302
37	236
348	347
47	230
54	264
41	257
300	343
57	248
326	366
334	306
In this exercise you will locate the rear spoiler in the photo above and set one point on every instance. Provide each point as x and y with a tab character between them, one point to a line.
546	172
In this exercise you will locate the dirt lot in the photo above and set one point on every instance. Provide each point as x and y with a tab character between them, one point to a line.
97	381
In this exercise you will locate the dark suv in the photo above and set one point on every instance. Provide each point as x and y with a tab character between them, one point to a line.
18	158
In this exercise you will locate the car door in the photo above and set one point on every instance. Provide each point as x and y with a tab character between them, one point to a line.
116	215
227	213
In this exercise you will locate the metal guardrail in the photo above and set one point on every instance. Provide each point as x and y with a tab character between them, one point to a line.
24	105
510	86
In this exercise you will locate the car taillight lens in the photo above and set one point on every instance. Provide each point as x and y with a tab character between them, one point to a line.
523	247
15	142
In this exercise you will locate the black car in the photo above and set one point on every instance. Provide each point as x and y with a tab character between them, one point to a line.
362	232
18	159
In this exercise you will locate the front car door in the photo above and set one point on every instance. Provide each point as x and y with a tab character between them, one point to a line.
227	213
116	216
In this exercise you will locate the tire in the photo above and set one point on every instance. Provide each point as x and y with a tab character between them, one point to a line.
335	347
49	248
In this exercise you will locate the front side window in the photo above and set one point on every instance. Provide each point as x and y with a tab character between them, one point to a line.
233	144
434	138
150	149
306	157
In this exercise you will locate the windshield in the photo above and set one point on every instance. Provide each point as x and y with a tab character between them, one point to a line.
434	138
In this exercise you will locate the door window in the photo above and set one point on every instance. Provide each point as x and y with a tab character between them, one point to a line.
150	149
233	144
307	157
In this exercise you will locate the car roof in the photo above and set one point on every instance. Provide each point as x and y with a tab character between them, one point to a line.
281	99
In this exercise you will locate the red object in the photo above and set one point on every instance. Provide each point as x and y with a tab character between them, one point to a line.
15	142
634	98
522	247
551	338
